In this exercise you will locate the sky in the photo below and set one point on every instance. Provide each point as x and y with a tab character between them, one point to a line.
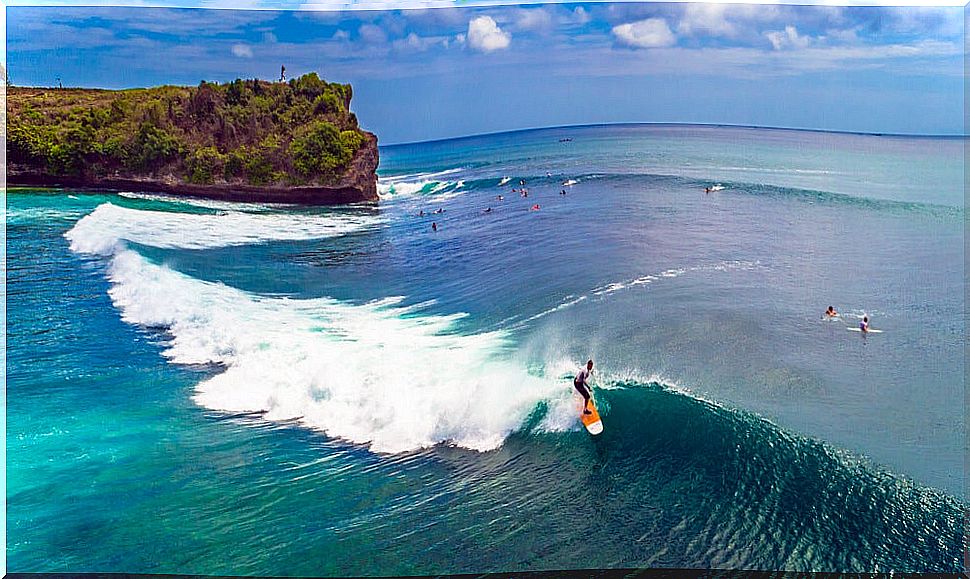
421	74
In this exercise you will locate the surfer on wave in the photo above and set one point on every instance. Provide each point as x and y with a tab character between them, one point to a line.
581	383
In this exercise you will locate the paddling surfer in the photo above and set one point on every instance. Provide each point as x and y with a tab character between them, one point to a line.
581	383
831	313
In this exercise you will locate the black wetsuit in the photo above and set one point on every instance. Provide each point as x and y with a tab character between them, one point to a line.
579	382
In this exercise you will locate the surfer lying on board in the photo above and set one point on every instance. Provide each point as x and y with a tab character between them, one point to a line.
831	313
582	385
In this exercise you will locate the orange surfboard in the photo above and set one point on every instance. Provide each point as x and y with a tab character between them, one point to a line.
592	421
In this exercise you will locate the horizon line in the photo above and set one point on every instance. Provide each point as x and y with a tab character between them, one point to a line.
686	124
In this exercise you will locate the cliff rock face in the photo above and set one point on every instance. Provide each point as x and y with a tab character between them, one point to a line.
249	140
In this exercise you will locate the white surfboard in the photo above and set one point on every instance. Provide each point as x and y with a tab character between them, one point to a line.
868	332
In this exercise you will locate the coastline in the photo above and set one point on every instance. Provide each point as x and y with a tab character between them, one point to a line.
301	195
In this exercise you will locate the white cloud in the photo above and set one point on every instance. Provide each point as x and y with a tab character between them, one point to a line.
537	19
341	36
707	18
649	33
726	20
372	34
485	35
413	42
270	38
788	39
242	51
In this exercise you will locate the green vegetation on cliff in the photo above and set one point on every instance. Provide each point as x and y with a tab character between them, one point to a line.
247	132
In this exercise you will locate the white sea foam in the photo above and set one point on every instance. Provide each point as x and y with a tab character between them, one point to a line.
374	373
199	202
380	373
417	183
21	215
642	280
102	230
613	287
431	191
410	188
420	176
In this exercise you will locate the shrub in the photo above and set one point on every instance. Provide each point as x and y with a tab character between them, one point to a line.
309	86
351	140
26	143
152	146
327	103
204	164
255	163
319	150
236	93
67	155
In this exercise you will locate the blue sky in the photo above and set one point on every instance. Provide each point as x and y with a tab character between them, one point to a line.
431	73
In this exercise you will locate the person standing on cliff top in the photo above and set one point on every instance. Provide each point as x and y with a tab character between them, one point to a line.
282	73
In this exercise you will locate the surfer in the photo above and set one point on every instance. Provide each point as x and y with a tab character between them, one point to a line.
864	325
535	207
434	226
500	198
563	192
581	383
489	210
831	313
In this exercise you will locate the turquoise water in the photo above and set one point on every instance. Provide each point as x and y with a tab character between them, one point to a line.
201	387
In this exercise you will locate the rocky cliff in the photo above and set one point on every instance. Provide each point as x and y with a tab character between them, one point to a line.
247	140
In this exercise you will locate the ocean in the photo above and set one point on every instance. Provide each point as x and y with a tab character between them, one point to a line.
213	388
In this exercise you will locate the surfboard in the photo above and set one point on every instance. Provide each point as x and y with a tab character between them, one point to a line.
860	329
592	421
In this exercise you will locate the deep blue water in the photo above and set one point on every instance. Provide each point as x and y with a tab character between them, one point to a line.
200	387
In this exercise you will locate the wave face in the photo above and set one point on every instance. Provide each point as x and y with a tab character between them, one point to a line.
721	488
